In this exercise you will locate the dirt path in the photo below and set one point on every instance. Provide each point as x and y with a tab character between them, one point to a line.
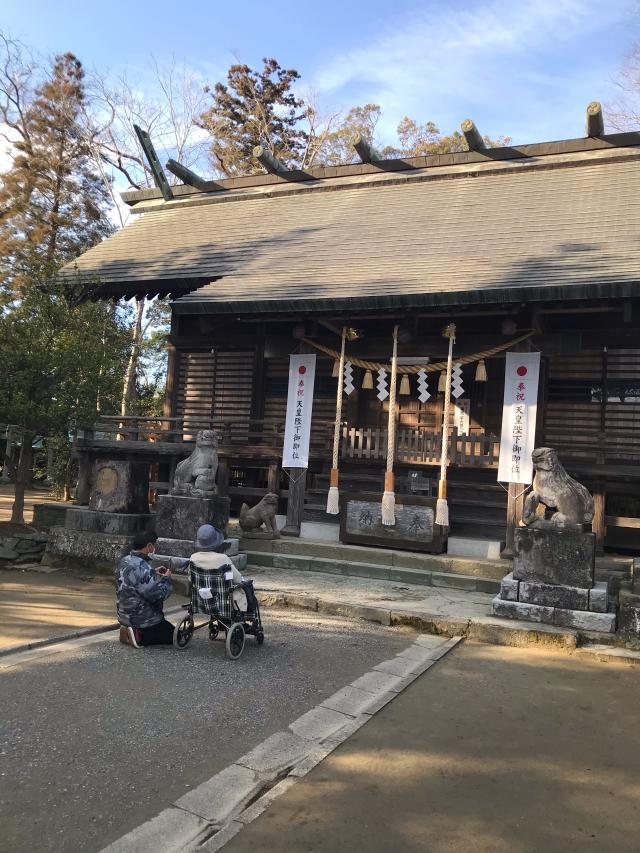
493	750
31	496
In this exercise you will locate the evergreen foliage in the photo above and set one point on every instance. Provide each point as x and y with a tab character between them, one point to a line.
53	204
62	357
62	363
254	108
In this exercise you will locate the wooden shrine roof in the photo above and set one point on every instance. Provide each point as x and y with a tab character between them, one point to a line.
560	220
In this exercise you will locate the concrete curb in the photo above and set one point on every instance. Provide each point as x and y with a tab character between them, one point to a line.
489	631
608	654
73	635
207	817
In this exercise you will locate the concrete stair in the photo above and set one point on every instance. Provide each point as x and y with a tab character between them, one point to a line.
443	570
399	566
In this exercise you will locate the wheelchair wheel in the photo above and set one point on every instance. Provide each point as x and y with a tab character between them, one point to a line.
183	632
235	640
213	631
259	636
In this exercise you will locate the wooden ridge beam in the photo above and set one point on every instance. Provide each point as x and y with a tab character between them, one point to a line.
184	174
472	135
270	162
159	177
365	150
595	120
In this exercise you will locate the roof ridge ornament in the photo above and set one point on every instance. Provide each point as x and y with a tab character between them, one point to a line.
472	135
271	163
184	174
365	150
159	177
595	120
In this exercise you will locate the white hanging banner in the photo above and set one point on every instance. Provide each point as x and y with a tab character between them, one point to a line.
461	412
302	374
517	440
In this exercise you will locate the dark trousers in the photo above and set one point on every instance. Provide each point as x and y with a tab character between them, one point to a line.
156	635
252	603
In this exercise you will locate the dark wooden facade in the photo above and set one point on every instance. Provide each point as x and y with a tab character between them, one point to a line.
589	406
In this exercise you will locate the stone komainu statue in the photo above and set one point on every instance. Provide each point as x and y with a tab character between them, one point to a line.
196	475
264	512
554	488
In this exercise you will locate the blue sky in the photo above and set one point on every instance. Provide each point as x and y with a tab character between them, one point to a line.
522	69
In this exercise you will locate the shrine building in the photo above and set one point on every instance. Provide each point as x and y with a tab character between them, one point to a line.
527	248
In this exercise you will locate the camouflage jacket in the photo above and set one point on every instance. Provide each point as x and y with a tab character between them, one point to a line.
140	592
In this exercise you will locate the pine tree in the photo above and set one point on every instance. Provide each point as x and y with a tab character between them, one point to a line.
60	362
60	355
52	203
254	108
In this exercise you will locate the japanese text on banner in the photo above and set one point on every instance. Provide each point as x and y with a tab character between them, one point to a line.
517	440
302	371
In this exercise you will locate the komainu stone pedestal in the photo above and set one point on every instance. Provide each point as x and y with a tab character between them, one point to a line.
565	557
179	517
553	581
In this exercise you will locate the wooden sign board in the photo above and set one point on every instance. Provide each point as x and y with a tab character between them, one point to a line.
414	530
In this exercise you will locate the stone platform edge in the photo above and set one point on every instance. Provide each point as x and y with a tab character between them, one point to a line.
490	630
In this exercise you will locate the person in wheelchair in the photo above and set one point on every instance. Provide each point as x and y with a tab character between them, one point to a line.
207	558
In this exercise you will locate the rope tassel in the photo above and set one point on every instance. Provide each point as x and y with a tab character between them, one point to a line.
333	498
389	501
389	497
442	507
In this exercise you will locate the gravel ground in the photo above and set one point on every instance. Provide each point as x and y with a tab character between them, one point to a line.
96	740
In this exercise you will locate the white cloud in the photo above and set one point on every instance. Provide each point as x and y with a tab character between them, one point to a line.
494	61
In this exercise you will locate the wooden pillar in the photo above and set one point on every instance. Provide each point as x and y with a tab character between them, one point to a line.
598	524
83	489
295	504
171	387
273	476
85	471
515	506
223	476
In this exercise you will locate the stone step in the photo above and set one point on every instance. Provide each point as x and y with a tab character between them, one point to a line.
337	552
352	568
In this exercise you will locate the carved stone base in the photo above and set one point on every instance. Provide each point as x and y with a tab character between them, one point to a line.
561	605
259	534
84	550
120	487
120	524
629	615
554	556
180	517
584	620
556	595
186	547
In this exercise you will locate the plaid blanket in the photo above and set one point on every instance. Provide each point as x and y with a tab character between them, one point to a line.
220	604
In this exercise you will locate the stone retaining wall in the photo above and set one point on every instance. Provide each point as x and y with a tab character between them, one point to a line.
19	548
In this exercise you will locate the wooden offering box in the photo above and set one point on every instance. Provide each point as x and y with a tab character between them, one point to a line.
415	528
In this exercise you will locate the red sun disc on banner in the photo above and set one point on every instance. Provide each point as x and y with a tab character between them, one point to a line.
522	370
302	369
